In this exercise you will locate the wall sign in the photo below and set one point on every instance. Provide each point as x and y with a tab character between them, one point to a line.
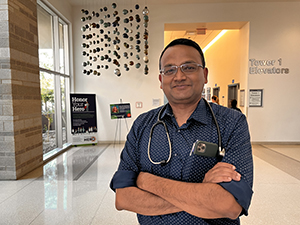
208	94
83	118
242	98
255	97
267	67
120	111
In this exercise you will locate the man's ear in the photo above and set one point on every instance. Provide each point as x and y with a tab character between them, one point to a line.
205	71
160	79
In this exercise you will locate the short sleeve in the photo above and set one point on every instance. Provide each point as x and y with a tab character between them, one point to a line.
239	153
128	169
242	193
123	178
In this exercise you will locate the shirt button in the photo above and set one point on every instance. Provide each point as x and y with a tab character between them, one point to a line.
175	154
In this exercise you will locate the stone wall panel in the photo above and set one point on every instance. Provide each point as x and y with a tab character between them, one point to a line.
20	112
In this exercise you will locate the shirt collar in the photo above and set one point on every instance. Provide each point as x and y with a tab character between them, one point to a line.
167	111
200	113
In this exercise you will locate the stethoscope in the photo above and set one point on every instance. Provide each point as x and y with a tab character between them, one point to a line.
221	152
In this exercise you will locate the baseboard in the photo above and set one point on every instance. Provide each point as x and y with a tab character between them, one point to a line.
275	143
111	142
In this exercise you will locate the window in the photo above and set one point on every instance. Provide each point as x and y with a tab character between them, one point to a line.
54	78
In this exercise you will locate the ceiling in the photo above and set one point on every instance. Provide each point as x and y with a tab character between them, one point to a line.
202	39
161	2
202	33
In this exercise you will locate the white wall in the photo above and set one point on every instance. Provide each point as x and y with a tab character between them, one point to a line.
276	36
274	33
132	86
62	7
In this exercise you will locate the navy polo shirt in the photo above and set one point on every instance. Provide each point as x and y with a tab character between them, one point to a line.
184	166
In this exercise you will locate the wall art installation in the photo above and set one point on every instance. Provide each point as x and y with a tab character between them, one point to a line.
115	38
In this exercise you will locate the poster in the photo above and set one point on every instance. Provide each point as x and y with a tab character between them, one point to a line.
83	119
208	95
242	98
255	98
120	111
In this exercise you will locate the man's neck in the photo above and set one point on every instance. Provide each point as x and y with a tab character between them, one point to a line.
183	111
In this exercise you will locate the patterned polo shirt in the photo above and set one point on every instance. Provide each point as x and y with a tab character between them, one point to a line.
184	166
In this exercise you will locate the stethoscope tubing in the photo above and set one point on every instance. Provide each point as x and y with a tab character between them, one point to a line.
159	121
168	137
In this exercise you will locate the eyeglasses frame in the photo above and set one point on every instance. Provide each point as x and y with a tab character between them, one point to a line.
175	66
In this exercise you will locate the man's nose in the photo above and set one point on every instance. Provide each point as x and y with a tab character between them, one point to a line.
179	75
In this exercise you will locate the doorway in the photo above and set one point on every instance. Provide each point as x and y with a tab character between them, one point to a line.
232	93
216	91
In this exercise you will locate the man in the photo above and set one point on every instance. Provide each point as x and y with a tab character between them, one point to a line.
160	178
233	105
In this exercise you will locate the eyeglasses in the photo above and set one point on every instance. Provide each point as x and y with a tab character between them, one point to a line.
187	68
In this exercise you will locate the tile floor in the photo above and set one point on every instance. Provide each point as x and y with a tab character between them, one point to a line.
74	189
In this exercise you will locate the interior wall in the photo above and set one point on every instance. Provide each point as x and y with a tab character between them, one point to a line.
224	62
244	57
273	38
63	7
274	33
131	87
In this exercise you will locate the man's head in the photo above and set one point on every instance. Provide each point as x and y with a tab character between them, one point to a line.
233	103
182	72
183	41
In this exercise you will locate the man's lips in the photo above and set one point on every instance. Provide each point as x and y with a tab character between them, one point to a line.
180	86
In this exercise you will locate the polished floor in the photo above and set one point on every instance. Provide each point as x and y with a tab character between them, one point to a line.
74	189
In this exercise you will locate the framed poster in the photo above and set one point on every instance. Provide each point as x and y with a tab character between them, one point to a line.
203	92
208	95
255	97
242	98
83	119
120	111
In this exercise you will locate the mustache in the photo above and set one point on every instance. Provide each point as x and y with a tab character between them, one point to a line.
175	84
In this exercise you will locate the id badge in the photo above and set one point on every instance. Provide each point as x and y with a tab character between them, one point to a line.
204	148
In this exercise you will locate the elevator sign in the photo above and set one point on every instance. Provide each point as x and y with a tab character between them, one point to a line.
258	66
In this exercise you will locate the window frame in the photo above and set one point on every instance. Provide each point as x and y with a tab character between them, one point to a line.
57	19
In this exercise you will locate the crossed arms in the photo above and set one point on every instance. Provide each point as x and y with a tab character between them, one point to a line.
158	196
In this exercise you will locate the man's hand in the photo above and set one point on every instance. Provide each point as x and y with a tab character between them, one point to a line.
222	172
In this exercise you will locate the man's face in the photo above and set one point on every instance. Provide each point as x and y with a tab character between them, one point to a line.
182	88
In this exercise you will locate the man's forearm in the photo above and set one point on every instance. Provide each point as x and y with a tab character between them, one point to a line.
205	200
142	202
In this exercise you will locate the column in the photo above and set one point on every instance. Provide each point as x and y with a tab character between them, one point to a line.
21	145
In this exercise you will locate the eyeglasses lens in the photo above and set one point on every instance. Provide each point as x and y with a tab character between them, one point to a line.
185	68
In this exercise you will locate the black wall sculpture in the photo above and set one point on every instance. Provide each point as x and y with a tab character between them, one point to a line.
115	39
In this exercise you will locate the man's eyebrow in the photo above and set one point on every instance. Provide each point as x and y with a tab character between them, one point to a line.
189	61
170	64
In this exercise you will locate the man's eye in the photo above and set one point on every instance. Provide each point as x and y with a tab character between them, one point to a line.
189	68
170	70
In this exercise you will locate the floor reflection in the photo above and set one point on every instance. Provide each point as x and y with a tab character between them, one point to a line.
60	176
74	189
